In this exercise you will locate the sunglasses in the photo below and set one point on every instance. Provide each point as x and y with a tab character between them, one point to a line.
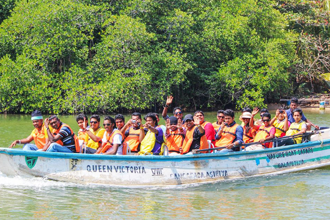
178	113
106	125
266	120
221	116
94	122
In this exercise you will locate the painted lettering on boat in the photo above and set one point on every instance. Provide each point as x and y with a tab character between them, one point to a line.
290	153
116	169
157	171
200	175
290	163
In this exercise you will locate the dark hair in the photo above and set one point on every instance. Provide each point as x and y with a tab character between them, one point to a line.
298	110
229	112
220	111
294	100
264	110
81	117
156	114
266	114
199	111
137	114
53	117
152	116
247	109
120	116
96	117
111	119
176	108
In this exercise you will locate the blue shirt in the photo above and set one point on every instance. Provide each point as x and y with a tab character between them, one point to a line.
290	116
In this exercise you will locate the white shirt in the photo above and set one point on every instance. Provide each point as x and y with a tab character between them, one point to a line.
117	139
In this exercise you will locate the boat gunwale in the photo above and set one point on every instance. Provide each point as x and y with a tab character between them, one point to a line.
157	158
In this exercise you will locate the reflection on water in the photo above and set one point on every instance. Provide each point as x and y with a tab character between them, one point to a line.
302	195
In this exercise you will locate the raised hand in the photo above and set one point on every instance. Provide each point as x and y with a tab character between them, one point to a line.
255	111
197	121
169	100
46	122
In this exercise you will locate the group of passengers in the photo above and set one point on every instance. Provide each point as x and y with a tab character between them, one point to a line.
181	135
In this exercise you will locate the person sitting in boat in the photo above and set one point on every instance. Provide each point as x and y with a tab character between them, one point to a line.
95	135
120	121
82	122
220	119
245	109
175	134
177	111
289	112
264	133
38	135
280	122
230	135
112	139
207	126
62	138
159	125
262	112
134	132
249	132
153	142
195	138
297	129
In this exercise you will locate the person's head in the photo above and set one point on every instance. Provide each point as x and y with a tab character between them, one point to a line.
136	119
220	116
36	118
177	112
95	122
151	119
82	120
229	116
55	122
293	103
263	111
246	109
297	114
246	117
173	123
281	115
199	114
109	123
266	117
189	121
120	121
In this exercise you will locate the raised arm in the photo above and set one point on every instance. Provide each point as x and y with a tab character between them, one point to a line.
169	101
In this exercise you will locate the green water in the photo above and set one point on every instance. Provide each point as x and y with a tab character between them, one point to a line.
302	195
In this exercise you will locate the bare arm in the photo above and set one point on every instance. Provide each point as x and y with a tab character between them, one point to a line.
169	101
113	150
93	136
254	112
126	126
276	116
142	134
22	141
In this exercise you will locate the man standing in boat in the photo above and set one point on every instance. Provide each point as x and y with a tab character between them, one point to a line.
62	138
38	135
231	134
177	111
289	112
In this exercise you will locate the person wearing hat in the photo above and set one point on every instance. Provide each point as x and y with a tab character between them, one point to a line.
195	135
174	135
38	135
280	122
249	132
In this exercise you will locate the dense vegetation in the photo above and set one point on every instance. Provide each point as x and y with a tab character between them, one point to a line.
70	56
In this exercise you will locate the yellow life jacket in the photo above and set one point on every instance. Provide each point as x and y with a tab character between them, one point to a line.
294	129
263	133
279	126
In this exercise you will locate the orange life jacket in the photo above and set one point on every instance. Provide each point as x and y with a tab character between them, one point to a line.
216	126
107	145
228	136
76	141
133	139
263	133
248	136
175	140
189	139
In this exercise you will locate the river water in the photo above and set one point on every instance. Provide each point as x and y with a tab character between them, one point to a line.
302	195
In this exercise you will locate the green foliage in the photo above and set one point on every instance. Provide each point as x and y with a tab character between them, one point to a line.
5	8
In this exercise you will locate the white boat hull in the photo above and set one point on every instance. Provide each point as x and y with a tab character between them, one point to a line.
164	170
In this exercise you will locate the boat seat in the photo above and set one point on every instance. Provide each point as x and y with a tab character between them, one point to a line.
166	152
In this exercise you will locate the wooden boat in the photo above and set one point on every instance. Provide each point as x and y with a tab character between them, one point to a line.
142	171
